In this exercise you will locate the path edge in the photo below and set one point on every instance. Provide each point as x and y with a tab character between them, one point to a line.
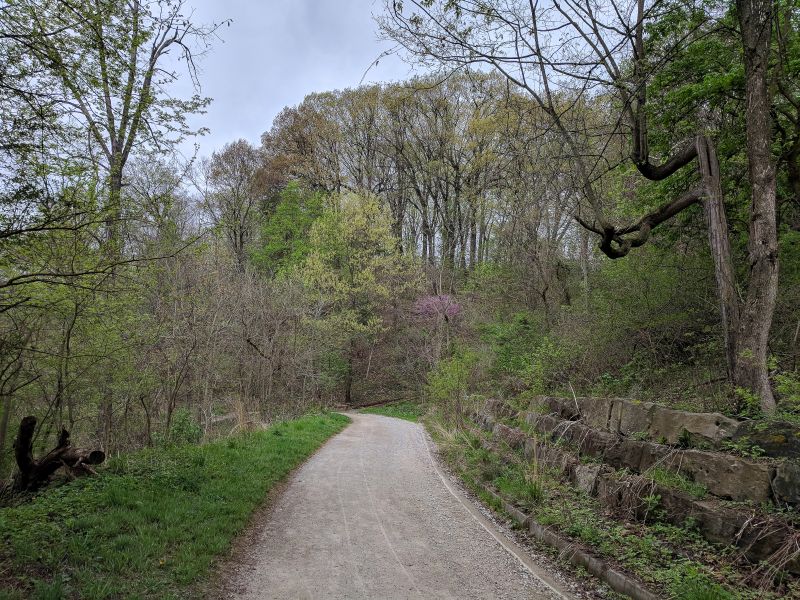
509	545
219	586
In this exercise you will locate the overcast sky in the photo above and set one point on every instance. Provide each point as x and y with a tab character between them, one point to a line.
276	52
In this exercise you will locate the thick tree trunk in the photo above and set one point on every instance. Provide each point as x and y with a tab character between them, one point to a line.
113	242
751	373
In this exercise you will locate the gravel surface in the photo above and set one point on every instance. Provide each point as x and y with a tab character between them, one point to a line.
372	515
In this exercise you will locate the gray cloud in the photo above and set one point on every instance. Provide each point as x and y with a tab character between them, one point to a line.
276	52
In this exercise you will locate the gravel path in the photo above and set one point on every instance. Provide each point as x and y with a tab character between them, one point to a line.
371	515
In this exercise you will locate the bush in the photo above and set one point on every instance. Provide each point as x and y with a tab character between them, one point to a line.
450	381
544	367
513	342
184	429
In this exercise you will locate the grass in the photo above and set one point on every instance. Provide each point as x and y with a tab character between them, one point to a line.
410	411
152	523
677	481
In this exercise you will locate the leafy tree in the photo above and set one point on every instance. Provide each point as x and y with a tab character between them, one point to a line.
285	234
103	64
233	192
354	269
612	56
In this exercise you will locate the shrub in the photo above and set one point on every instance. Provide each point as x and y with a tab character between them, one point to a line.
449	382
184	429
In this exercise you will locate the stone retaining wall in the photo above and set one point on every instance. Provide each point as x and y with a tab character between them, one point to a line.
723	475
760	537
631	417
609	429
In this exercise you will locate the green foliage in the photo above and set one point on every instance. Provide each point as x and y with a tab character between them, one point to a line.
675	480
153	522
546	362
354	266
513	342
515	485
333	367
788	387
691	583
285	234
743	447
748	403
521	349
184	429
353	272
449	381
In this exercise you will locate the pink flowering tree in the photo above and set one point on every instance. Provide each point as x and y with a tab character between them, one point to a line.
436	309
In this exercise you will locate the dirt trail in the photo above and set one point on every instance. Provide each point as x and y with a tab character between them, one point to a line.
372	516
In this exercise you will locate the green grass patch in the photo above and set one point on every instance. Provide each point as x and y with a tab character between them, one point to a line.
513	483
410	411
677	481
152	523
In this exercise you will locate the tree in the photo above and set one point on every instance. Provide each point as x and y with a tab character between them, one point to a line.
609	57
85	88
285	234
102	62
233	193
353	270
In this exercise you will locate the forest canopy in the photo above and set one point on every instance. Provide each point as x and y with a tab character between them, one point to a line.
615	215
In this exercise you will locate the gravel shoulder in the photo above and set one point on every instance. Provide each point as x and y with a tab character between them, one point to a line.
372	515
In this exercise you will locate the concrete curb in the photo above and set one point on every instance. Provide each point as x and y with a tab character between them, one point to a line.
616	580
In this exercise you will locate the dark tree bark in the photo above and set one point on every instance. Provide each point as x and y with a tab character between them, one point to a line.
35	473
755	21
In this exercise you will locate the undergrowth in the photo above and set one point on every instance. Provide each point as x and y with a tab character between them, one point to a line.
677	481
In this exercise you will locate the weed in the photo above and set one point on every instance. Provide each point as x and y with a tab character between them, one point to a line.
515	485
689	583
672	479
743	447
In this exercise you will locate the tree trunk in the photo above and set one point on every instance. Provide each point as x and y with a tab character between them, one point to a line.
113	242
348	383
751	373
34	473
584	260
720	246
473	238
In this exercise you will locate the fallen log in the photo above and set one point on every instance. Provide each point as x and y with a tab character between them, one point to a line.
35	473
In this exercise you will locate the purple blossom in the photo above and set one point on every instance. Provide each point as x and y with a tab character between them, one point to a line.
443	306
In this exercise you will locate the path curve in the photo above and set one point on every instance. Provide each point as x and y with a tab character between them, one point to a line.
372	516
